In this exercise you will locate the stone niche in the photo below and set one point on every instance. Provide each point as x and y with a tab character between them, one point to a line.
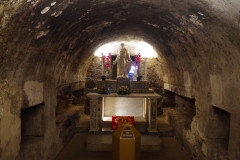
219	127
32	130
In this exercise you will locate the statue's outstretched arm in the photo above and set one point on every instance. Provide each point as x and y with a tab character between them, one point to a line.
116	60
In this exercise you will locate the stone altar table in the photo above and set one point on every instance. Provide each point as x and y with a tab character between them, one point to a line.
136	86
151	105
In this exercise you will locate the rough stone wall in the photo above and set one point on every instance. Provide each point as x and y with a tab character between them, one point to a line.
208	87
194	138
13	99
63	102
82	99
95	69
214	144
67	111
34	93
65	124
11	102
51	144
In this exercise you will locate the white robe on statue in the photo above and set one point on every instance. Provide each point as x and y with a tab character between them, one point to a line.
123	65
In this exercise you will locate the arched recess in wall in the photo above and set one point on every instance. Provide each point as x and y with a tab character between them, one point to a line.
135	48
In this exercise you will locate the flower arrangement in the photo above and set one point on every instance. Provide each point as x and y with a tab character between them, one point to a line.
106	60
104	90
123	90
138	59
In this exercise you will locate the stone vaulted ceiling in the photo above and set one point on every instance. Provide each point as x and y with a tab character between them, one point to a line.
42	39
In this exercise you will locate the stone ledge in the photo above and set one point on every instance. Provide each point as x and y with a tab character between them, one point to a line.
69	88
69	112
180	90
103	142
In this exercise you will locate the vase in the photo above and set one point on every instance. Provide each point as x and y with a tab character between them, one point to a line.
103	78
138	78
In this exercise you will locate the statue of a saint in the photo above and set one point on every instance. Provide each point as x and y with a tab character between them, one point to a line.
123	61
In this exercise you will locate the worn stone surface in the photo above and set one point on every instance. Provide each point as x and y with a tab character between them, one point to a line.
66	123
31	146
81	98
10	132
197	42
212	145
71	87
34	92
216	90
64	102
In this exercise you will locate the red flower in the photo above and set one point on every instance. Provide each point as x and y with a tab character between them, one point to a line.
106	60
138	58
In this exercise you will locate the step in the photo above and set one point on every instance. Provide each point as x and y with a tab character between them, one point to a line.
83	126
103	142
164	129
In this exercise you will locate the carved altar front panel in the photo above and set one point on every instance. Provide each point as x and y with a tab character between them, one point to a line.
122	106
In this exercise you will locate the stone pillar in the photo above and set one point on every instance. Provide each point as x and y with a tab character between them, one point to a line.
102	67
152	115
94	115
145	70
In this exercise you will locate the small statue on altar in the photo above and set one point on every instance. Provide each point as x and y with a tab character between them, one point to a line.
123	62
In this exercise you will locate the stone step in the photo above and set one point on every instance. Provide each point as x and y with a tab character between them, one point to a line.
103	142
164	129
166	132
83	125
140	126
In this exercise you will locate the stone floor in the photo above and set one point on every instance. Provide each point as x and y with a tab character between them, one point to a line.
76	148
103	142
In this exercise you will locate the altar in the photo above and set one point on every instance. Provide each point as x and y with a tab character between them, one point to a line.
142	104
127	96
